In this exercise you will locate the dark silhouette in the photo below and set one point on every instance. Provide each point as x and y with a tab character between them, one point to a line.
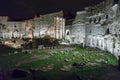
119	63
19	73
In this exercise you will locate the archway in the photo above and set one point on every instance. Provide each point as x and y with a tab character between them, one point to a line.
67	32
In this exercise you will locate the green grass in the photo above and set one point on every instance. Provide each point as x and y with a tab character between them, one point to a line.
58	60
9	61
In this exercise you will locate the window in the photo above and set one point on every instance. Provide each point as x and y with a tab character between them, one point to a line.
108	31
106	16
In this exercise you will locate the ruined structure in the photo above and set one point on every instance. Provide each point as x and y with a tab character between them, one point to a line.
3	19
98	26
50	24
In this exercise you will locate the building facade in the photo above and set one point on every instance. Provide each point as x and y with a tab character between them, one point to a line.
50	24
98	26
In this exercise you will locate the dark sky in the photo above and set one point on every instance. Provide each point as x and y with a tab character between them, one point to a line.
22	9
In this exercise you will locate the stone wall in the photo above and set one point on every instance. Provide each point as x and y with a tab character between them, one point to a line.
12	29
3	18
50	24
99	27
102	29
77	33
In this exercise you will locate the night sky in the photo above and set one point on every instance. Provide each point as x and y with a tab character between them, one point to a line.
24	9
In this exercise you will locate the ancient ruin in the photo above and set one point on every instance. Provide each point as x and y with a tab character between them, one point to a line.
50	24
97	26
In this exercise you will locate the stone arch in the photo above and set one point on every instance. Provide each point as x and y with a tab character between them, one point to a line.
67	32
16	34
108	31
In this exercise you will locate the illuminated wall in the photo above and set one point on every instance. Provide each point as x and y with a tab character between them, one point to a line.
50	24
101	27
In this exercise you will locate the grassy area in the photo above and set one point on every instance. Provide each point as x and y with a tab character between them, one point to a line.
78	55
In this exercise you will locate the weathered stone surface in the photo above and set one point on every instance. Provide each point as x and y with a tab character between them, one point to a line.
67	60
66	68
98	26
49	67
76	53
92	64
50	24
